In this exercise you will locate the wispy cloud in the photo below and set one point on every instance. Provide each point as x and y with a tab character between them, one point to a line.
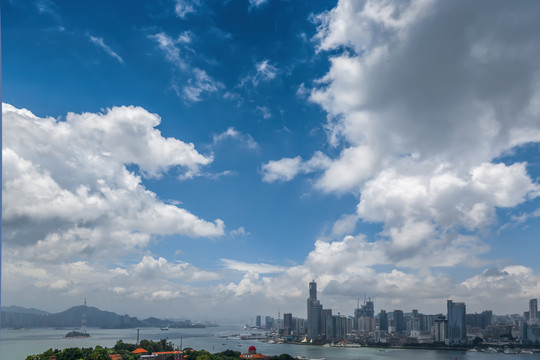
264	71
185	7
256	3
201	83
170	49
265	111
259	268
99	42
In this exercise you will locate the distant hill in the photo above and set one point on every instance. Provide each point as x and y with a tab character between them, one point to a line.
19	317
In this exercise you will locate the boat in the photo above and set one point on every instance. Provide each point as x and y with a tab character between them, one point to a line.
166	328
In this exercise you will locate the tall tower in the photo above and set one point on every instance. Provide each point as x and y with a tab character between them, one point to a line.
457	323
83	322
313	290
533	310
314	312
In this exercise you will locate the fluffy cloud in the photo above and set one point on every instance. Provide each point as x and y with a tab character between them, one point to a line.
346	268
421	108
287	168
68	193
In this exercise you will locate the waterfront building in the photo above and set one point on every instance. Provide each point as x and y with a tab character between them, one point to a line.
533	310
324	318
365	310
457	323
287	324
366	323
383	321
314	312
269	322
300	326
399	321
439	328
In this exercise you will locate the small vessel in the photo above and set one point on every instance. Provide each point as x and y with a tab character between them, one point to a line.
166	328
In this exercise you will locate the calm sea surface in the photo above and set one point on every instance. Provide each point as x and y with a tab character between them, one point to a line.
17	344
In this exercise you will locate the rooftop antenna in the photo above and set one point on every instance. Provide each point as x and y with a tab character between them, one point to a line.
83	322
358	303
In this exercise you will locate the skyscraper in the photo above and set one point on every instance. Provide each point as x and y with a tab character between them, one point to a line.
287	324
533	310
399	321
314	312
457	323
383	321
258	321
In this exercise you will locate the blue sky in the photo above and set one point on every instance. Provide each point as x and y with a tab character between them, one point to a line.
211	156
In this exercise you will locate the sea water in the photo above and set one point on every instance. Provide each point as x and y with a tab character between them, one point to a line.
18	344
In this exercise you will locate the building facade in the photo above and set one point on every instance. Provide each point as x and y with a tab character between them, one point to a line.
457	323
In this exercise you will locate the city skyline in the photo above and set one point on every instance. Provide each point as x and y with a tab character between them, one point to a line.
197	158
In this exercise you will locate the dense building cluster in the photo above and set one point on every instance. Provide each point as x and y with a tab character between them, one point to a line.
455	328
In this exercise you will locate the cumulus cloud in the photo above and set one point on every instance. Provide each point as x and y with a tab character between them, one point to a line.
287	168
68	193
419	132
346	269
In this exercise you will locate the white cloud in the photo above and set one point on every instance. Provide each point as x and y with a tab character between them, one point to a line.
264	71
198	81
99	42
185	7
68	194
265	112
287	168
200	84
257	3
232	133
258	268
241	231
170	48
419	132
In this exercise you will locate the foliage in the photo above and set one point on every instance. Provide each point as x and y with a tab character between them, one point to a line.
125	350
282	357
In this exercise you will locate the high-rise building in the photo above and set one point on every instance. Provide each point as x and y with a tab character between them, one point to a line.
269	322
314	312
457	323
366	310
533	310
383	321
325	314
399	321
439	328
287	324
258	321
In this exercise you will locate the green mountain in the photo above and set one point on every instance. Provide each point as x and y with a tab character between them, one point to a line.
18	317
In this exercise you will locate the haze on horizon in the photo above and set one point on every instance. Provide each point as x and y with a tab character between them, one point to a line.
206	159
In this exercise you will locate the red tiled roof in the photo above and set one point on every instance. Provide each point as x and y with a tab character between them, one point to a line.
139	351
